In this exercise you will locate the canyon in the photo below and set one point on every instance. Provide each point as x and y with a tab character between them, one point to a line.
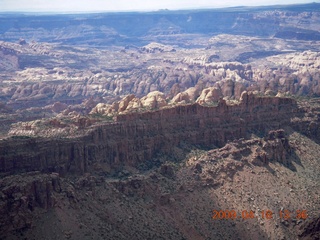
143	125
149	161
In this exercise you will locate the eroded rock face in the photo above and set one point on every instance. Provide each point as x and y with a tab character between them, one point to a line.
135	137
222	178
154	100
9	59
230	171
157	47
181	98
21	195
140	126
39	86
209	95
214	166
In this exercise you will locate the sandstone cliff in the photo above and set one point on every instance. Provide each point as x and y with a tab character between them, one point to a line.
134	138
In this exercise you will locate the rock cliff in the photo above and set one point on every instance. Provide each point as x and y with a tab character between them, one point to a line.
135	138
21	195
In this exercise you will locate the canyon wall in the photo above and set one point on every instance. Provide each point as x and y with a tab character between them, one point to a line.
138	137
22	194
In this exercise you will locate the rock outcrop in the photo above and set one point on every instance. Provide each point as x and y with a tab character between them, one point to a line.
133	138
188	96
216	165
209	96
21	195
157	47
141	73
153	100
9	59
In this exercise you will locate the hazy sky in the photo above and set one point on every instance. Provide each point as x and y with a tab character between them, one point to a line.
125	5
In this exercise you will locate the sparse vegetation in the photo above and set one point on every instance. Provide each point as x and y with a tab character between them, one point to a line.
108	140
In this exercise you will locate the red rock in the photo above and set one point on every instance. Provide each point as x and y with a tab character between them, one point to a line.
135	137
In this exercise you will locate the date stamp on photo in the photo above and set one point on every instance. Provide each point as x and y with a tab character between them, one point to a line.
265	214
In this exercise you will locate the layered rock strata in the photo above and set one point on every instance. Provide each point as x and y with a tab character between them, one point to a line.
136	138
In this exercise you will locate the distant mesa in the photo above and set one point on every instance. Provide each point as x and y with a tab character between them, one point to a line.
157	48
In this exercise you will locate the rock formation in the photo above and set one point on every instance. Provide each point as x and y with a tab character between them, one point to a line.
21	195
143	125
156	47
135	137
153	100
209	95
9	59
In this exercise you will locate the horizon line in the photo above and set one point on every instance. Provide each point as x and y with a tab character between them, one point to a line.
59	12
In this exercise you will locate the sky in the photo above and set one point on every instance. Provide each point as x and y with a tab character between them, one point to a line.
129	5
